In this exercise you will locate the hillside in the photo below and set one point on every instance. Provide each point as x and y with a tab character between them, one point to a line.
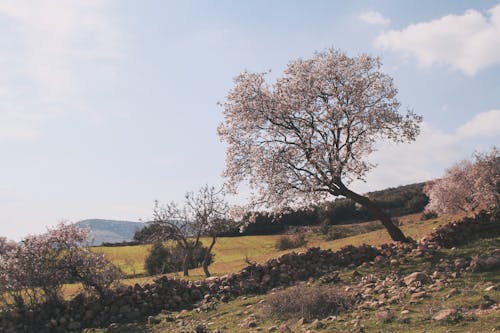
458	292
110	231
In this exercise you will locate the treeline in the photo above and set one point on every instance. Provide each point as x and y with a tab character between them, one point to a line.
402	200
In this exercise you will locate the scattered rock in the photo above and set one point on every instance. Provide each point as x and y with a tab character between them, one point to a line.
285	329
445	314
383	316
317	324
490	288
416	277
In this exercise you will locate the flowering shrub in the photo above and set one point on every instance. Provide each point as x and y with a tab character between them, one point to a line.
34	271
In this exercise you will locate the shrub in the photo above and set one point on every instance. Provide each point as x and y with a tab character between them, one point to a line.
163	259
308	302
291	242
157	260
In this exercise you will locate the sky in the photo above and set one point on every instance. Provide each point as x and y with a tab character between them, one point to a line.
108	105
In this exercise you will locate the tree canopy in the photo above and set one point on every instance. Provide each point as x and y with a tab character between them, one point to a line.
308	135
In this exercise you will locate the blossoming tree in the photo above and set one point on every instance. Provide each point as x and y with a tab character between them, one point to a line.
35	270
467	186
308	135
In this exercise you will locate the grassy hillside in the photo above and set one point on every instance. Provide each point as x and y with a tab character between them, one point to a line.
231	252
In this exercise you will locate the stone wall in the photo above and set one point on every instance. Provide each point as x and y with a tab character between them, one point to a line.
465	230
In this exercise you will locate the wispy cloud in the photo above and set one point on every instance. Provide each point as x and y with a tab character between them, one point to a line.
46	46
483	124
432	152
373	17
469	42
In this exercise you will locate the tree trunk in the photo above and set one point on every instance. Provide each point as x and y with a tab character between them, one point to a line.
185	262
207	255
395	233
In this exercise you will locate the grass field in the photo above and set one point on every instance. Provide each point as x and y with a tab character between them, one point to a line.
231	252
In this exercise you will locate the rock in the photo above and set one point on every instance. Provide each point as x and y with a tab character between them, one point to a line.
301	321
383	316
317	324
272	328
285	329
394	262
416	277
452	292
490	288
152	320
485	262
417	296
405	312
444	314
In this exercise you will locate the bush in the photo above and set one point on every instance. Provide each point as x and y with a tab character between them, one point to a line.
308	302
157	260
291	242
162	260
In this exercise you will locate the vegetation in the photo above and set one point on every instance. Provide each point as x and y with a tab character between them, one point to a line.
33	272
168	259
467	185
308	302
287	242
204	213
399	201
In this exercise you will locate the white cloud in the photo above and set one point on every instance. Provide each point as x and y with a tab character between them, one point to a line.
432	152
48	45
373	17
483	124
469	42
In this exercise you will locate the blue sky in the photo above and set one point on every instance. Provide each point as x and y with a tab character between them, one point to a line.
108	105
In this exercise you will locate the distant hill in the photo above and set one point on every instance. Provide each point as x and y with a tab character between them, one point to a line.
110	231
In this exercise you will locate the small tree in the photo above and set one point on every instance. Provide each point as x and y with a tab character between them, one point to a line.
306	137
203	214
467	186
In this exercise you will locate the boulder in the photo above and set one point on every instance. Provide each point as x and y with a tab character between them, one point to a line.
444	314
416	277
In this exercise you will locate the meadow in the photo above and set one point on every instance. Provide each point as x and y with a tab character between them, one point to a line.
233	253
